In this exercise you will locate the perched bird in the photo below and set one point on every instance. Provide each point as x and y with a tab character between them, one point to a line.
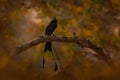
49	30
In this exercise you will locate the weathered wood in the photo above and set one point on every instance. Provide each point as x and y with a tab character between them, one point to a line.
82	42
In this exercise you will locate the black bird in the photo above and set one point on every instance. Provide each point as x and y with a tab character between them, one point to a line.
49	30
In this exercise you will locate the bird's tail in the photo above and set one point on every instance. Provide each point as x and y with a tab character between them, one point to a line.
48	47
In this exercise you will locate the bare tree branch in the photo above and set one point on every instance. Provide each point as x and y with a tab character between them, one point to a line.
82	42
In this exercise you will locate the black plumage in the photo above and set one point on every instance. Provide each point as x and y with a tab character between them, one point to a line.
49	30
56	67
51	27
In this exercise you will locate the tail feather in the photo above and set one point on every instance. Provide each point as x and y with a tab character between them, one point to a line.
43	62
56	67
48	47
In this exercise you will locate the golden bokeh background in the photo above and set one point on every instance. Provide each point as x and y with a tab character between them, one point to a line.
22	21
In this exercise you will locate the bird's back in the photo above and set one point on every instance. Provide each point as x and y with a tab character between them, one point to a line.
51	27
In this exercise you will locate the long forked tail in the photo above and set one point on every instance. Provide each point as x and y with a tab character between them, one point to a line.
48	47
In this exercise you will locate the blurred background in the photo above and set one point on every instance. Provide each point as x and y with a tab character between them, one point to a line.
22	21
